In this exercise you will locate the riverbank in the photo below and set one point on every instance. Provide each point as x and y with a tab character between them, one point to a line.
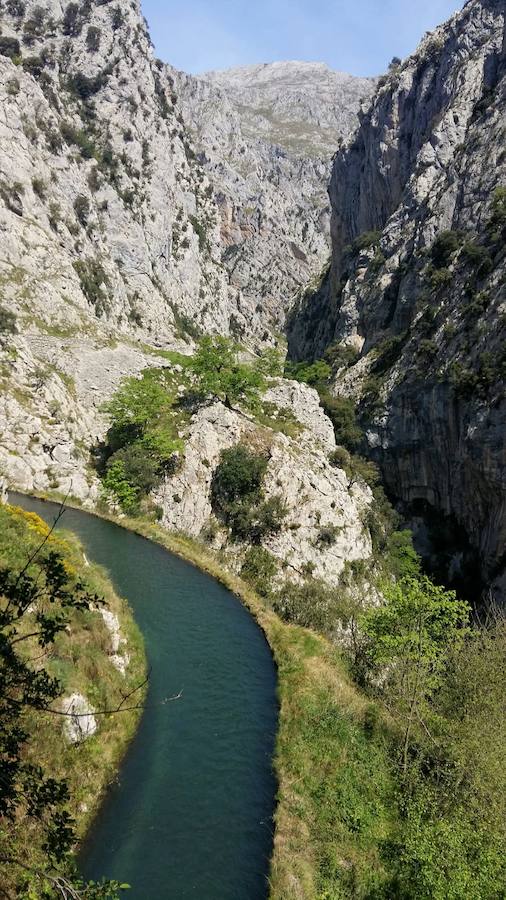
334	786
98	659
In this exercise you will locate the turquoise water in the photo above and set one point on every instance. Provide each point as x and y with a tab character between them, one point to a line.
191	814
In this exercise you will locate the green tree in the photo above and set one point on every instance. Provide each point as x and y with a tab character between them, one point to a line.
143	444
220	375
237	496
411	637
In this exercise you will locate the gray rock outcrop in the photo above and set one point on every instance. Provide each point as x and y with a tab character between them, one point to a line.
80	722
316	494
266	135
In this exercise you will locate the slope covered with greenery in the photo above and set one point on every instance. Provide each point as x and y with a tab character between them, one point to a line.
54	643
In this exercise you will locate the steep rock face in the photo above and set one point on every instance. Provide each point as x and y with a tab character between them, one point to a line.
103	202
417	283
317	495
266	135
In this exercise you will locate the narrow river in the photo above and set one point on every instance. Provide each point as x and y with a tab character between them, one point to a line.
191	814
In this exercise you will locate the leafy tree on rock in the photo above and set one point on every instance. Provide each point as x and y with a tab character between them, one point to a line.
220	375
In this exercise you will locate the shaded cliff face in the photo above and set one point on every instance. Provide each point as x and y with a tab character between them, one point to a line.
417	283
266	135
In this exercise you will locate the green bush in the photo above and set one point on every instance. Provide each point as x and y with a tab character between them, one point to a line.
130	475
327	536
339	355
356	467
439	278
93	39
94	282
72	23
311	604
82	87
201	233
117	18
39	187
82	209
7	321
16	8
237	496
342	413
365	240
35	26
315	374
9	47
476	254
13	87
444	247
80	139
143	444
259	568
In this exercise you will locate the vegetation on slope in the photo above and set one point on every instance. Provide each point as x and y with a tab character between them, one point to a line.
150	415
54	643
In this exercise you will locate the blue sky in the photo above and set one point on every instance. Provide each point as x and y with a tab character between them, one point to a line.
356	36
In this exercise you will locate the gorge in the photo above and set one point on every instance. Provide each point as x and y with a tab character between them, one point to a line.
259	316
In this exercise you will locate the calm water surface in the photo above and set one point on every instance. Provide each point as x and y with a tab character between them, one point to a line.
191	815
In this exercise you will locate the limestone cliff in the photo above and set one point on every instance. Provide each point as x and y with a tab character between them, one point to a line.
134	218
417	284
265	136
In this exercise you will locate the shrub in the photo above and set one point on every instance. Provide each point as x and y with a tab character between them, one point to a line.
237	497
311	605
356	467
201	233
446	244
439	278
116	483
239	475
9	47
341	356
34	27
315	374
13	87
259	568
270	363
365	240
39	187
16	8
220	375
138	469
82	209
476	255
94	282
72	21
343	415
80	139
54	215
83	87
93	39
117	18
94	180
143	445
7	321
327	536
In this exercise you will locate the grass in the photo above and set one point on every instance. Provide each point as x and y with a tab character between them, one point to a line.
80	660
335	787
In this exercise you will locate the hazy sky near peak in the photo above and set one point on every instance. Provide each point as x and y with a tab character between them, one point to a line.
355	36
